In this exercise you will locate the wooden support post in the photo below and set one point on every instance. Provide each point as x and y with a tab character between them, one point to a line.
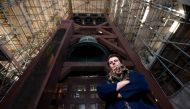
54	73
112	46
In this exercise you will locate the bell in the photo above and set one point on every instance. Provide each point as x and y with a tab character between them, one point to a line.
88	39
88	49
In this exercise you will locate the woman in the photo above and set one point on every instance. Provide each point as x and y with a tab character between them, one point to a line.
124	89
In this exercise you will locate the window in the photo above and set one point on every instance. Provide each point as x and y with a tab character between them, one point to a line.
93	87
77	106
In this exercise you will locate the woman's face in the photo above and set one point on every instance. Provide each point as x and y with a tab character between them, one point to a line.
114	62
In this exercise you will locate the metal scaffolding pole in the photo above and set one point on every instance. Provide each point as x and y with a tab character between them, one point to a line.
163	8
34	10
169	42
70	8
181	50
26	21
23	45
172	63
170	72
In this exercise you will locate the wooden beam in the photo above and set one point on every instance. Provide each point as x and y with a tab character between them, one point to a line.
84	64
103	24
53	73
112	46
105	31
95	27
65	71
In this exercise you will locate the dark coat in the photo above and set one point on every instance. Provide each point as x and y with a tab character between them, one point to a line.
134	93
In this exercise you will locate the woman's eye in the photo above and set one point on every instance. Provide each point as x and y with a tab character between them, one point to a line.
116	60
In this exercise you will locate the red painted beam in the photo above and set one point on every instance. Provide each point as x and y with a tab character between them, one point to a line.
68	26
96	26
54	73
11	95
112	47
91	66
105	31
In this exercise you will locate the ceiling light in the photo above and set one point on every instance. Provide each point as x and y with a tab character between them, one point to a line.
121	11
181	11
122	3
145	14
163	18
100	32
174	26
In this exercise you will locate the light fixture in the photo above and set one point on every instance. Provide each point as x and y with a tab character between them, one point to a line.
145	14
100	32
151	28
174	26
122	3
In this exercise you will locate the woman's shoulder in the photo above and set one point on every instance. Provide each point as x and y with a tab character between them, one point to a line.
135	73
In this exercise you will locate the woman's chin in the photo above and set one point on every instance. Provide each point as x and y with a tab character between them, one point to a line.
118	73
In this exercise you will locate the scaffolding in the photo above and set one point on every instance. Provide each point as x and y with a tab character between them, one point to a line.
25	26
150	27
